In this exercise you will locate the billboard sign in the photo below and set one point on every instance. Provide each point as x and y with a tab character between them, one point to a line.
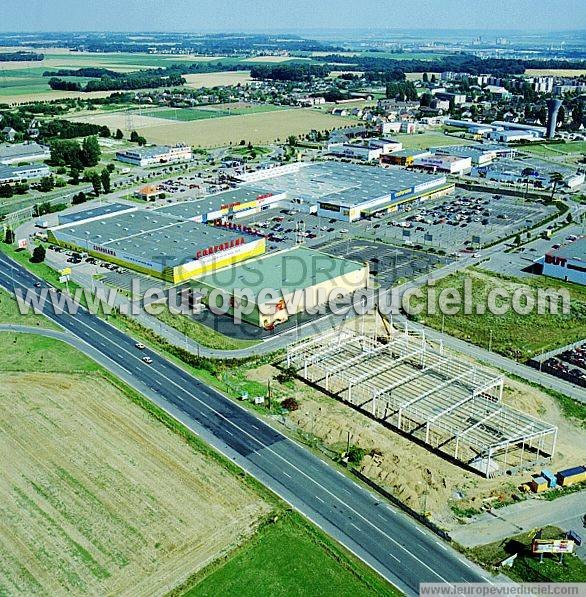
552	546
22	243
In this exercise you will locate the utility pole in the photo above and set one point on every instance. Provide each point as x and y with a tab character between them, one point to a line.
490	342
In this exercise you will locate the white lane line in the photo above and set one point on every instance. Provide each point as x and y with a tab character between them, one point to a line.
420	531
246	433
318	498
352	524
466	564
440	545
395	557
287	474
228	432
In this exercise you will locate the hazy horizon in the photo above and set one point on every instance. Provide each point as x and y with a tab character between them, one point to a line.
189	16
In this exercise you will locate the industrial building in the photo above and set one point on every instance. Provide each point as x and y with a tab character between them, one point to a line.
452	164
478	155
405	157
451	406
23	152
511	171
242	200
349	191
369	150
155	155
156	244
301	279
15	174
566	263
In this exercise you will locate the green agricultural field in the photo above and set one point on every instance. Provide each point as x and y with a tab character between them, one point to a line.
288	558
189	114
513	335
426	140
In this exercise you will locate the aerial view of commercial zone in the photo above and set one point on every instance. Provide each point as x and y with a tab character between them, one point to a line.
292	311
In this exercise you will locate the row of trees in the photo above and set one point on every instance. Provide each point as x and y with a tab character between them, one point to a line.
144	80
402	90
65	129
289	72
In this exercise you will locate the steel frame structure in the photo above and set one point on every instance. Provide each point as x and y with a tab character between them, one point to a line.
449	404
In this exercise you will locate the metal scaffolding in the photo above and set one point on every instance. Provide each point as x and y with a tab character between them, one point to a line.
451	405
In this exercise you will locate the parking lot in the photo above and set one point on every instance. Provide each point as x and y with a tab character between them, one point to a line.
519	261
387	263
281	226
466	219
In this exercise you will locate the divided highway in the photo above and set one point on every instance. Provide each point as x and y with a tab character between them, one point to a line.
402	551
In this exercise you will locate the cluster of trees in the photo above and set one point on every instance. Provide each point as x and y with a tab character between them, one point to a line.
135	138
7	191
88	72
70	153
402	90
101	181
289	72
47	208
21	57
64	129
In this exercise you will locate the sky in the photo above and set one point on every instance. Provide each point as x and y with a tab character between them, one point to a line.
289	15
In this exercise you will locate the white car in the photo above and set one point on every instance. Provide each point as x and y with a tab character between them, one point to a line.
140	346
147	360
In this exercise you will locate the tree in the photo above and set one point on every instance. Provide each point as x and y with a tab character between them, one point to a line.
90	151
9	236
425	78
39	254
78	198
561	119
134	136
119	134
141	141
425	100
46	184
74	176
6	190
555	180
290	404
105	180
96	182
518	239
578	114
292	140
526	173
433	78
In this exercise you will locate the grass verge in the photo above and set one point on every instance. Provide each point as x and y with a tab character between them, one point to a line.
527	567
287	557
202	334
511	334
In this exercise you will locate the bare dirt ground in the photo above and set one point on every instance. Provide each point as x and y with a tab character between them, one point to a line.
259	128
421	479
220	78
96	497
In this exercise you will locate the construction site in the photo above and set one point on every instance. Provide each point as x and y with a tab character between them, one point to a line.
451	406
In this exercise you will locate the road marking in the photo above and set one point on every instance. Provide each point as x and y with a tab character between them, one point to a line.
357	528
420	531
318	498
165	363
287	474
466	564
442	546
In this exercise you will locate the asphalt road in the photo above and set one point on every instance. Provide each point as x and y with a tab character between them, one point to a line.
402	551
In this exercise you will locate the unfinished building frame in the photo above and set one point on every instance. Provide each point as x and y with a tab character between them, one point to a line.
451	405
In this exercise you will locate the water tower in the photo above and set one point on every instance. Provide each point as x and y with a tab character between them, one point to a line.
553	107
